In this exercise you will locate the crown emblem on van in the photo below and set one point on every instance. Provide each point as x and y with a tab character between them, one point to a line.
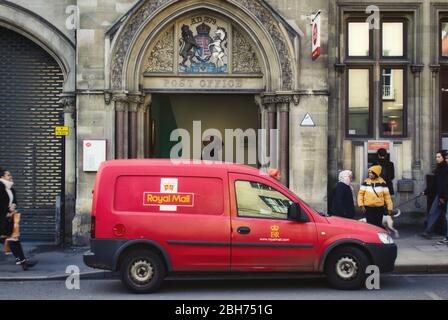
275	232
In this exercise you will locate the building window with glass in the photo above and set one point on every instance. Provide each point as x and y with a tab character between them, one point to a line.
365	58
444	39
359	103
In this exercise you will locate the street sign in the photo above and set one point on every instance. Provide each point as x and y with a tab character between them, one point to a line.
374	146
445	143
307	121
61	131
315	39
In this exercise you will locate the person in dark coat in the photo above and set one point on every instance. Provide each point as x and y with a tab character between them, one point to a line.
342	201
387	170
8	205
445	241
439	188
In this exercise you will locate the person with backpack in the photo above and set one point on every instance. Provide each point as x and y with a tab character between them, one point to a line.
374	197
387	169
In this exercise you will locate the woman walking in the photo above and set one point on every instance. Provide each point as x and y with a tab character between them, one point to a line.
439	188
342	203
9	220
374	197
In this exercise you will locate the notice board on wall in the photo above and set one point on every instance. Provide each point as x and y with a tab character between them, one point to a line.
94	153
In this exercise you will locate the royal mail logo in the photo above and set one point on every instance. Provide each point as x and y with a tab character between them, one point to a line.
168	199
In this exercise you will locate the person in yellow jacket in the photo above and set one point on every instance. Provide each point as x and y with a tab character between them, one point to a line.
374	197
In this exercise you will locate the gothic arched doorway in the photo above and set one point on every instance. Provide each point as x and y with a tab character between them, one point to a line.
31	83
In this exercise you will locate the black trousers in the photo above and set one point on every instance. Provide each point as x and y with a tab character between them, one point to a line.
16	249
374	215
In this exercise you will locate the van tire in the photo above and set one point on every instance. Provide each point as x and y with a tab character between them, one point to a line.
346	267
142	271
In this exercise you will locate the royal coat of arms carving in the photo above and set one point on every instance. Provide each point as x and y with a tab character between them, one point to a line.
204	45
206	51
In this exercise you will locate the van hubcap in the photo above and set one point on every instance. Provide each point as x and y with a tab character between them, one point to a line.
346	268
142	271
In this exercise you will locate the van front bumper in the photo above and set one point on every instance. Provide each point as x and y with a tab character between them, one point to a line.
383	256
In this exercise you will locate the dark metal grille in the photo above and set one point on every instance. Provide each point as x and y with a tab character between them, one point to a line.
31	82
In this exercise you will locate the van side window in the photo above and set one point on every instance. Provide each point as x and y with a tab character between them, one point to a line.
257	200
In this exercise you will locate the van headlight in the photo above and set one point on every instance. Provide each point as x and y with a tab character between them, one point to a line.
385	238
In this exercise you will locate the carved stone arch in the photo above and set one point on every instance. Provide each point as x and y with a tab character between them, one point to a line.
276	40
47	36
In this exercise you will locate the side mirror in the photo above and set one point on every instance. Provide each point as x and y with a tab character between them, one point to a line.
295	213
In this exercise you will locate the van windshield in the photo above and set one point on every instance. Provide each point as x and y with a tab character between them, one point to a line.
323	214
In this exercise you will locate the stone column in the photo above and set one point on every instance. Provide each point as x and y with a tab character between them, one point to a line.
270	106
121	131
417	165
110	125
144	134
336	143
135	100
261	135
435	94
283	107
68	102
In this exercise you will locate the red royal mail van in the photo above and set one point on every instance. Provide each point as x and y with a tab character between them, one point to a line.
151	218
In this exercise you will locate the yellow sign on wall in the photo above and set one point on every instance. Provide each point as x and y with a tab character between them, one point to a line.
61	131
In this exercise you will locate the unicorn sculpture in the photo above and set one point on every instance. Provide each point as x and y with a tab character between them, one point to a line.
218	46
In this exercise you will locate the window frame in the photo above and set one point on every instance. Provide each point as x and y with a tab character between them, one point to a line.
348	57
370	132
405	38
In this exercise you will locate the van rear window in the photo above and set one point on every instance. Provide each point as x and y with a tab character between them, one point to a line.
184	195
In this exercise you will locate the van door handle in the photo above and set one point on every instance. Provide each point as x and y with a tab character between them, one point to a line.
243	230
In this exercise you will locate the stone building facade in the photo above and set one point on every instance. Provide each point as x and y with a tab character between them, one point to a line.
132	69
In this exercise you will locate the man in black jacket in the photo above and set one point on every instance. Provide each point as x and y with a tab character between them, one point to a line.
388	169
439	188
445	241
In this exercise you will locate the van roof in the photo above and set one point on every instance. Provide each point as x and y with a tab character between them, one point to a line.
231	167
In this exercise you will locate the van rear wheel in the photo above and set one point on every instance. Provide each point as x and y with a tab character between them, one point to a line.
142	271
346	268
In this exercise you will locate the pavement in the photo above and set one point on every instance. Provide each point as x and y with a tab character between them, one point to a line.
415	255
54	263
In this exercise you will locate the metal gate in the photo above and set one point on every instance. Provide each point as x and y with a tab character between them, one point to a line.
31	82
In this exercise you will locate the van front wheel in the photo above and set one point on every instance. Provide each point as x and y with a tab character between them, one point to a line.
142	271
346	268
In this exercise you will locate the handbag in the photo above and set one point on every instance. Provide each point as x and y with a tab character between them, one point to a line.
15	233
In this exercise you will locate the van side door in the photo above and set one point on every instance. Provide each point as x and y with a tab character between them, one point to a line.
262	236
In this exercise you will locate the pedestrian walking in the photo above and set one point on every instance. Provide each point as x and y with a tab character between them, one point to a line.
9	221
374	197
342	202
445	241
387	169
439	188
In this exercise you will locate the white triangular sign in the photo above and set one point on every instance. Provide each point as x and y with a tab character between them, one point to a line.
307	121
